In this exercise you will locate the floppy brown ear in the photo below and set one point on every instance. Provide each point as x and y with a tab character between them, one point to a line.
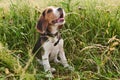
59	27
42	24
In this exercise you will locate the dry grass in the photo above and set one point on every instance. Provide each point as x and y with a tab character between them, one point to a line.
91	35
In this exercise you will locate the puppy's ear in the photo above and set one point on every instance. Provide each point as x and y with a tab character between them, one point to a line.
42	24
59	27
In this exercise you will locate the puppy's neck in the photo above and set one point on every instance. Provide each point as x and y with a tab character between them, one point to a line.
54	29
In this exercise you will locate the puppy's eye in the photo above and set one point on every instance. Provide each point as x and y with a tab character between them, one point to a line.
54	21
49	10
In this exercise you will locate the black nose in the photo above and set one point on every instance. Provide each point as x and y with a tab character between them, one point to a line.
59	9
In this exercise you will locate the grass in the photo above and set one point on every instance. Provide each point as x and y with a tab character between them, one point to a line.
91	35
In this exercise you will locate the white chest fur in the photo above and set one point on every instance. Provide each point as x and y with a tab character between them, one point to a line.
54	29
52	50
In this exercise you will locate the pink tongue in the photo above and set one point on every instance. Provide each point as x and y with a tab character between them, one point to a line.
60	20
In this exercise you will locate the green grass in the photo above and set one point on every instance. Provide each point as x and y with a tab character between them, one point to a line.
91	36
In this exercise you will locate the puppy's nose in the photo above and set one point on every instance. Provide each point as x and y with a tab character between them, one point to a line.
59	9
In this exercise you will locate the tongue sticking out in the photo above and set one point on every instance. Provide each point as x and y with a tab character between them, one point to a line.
60	20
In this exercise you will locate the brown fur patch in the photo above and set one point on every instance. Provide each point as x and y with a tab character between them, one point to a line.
60	27
42	25
50	16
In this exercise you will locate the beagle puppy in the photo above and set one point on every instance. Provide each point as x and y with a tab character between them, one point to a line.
50	44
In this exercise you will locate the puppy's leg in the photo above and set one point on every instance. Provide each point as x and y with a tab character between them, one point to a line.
63	58
45	61
56	60
46	64
45	57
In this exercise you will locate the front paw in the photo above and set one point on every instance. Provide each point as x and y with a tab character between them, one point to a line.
70	68
53	70
49	74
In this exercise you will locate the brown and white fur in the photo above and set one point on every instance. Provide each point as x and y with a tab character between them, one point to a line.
51	20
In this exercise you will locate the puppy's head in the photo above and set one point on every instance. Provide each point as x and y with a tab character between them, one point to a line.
51	16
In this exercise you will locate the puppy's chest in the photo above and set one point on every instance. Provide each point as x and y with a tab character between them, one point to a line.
49	45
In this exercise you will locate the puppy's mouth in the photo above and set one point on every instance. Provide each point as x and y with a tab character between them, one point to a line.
59	20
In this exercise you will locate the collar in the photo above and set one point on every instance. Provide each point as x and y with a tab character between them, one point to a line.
59	37
52	35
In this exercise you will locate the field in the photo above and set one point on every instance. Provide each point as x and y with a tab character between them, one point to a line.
91	39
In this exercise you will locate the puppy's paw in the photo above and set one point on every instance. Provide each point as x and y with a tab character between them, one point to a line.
70	68
53	70
49	74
